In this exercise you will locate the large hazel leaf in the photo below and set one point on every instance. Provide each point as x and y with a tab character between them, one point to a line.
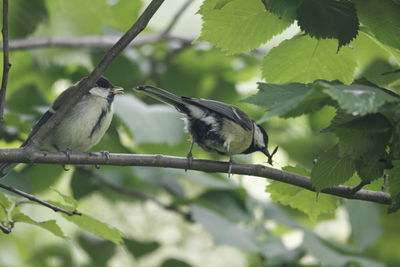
240	25
358	99
305	59
331	169
302	199
329	19
288	100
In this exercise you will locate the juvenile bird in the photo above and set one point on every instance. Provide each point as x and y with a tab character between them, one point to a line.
216	126
82	127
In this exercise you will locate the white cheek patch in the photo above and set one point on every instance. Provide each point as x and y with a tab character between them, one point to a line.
258	137
97	91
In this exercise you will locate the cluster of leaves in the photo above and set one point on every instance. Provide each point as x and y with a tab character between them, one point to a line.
366	119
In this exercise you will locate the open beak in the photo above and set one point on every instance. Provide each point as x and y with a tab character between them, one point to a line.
269	156
117	90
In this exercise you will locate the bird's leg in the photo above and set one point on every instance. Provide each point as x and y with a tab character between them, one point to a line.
105	154
231	162
189	157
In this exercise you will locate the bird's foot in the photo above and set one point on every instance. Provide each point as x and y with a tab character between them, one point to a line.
106	155
189	157
67	152
231	162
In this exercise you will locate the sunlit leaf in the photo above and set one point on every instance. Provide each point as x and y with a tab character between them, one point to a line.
305	59
245	20
90	224
50	225
302	199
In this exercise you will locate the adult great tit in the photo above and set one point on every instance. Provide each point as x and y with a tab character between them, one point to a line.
216	126
82	127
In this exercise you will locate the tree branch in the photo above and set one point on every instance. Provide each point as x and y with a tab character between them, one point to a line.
20	155
42	202
93	41
6	63
176	17
133	193
85	84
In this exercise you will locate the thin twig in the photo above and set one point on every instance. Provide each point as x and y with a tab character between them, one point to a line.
23	156
92	41
42	202
176	17
6	63
133	193
85	84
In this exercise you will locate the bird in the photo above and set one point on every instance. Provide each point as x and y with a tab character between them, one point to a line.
215	126
82	127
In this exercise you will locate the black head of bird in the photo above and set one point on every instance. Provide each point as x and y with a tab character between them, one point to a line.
83	126
216	126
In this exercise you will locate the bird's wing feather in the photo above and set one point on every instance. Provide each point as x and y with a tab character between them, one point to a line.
231	112
62	98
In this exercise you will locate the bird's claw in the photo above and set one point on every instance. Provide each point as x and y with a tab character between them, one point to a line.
103	153
67	152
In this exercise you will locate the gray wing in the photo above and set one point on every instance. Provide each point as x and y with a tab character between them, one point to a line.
231	112
62	98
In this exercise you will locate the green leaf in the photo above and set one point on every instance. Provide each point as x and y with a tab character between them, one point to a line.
82	185
42	182
288	100
386	28
69	201
50	225
140	248
244	20
96	227
100	251
358	99
331	169
375	58
327	256
365	225
25	17
209	5
305	59
146	122
329	19
224	231
4	201
285	9
301	199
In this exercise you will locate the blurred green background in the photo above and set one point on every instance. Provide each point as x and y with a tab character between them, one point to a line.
170	217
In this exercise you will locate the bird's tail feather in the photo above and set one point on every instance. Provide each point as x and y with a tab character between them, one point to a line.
162	95
5	168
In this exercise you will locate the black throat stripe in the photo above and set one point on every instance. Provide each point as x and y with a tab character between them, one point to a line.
98	122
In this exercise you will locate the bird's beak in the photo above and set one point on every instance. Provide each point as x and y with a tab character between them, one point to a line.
117	90
269	156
